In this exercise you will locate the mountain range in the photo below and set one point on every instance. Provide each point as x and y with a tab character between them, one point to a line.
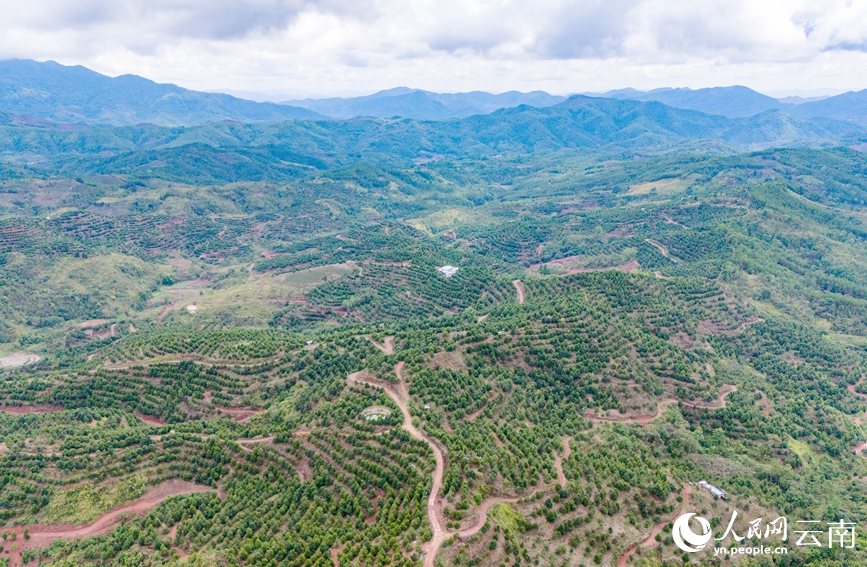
739	102
402	123
424	105
53	92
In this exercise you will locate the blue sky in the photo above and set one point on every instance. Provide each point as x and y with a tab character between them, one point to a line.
347	47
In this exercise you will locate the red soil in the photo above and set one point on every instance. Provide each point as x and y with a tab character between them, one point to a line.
149	419
44	535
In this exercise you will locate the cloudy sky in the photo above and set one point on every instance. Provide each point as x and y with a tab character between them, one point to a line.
347	47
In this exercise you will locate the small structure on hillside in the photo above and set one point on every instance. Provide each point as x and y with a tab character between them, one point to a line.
719	492
447	271
376	413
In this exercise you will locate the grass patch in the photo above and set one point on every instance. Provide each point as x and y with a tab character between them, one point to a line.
507	517
86	502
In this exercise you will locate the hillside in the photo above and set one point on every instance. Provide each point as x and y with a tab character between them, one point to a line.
237	344
256	372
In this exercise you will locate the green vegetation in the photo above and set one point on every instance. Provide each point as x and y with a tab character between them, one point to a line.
685	316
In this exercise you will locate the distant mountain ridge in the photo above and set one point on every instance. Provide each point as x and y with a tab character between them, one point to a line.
424	105
54	92
739	102
278	151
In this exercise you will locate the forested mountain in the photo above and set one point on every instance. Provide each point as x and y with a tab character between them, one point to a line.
57	93
277	150
424	105
738	102
517	338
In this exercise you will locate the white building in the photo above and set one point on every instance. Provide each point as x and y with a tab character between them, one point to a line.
713	489
447	271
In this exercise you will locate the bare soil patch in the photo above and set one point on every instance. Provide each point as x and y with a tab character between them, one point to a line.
615	416
449	361
149	419
18	359
93	323
766	405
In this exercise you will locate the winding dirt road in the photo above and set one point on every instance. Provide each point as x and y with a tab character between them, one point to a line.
438	529
663	250
853	391
440	532
483	515
719	403
643	420
650	540
44	535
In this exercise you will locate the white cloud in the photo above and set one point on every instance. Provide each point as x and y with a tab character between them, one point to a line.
356	46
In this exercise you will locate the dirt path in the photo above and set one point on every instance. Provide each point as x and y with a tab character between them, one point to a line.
719	403
663	250
434	504
245	443
239	414
558	462
166	311
43	535
387	348
853	391
484	507
650	540
20	410
860	447
475	414
519	285
437	527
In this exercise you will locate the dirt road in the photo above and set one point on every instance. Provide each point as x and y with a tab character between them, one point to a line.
719	403
558	462
519	285
663	250
387	347
484	507
438	529
44	535
19	410
650	540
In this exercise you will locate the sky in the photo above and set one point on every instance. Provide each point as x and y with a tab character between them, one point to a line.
298	48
